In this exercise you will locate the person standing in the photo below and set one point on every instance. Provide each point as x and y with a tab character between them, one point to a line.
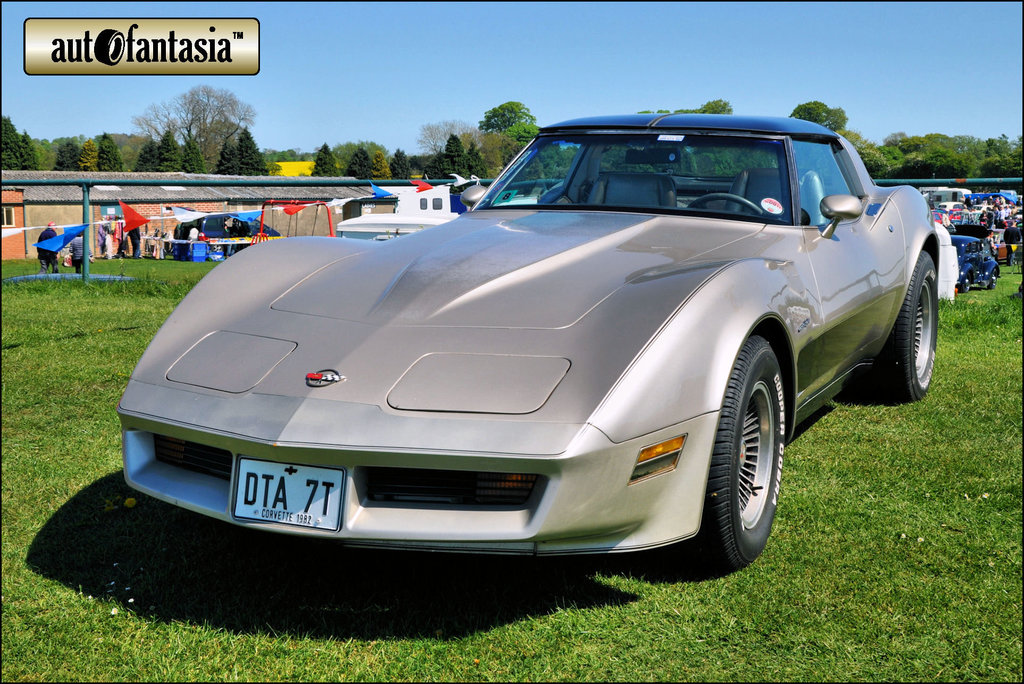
47	258
1011	237
77	252
101	238
136	241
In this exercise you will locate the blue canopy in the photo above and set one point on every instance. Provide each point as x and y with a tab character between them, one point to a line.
981	196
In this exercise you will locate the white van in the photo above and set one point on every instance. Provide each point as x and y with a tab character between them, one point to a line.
937	196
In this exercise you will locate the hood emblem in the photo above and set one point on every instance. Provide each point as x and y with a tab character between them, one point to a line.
323	378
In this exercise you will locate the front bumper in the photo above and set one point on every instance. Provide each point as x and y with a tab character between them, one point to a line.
582	500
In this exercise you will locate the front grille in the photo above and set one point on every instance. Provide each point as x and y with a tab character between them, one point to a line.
198	457
460	487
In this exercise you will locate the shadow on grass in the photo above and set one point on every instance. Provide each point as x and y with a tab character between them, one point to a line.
174	565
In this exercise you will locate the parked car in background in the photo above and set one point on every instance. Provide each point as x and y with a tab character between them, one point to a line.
977	265
949	266
955	209
607	353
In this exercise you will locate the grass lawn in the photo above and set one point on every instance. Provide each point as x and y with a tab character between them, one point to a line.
896	553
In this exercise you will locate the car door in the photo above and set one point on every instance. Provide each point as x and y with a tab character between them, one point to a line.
858	273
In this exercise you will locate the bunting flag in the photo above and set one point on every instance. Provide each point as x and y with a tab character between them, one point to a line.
294	209
184	214
132	218
377	192
55	244
421	185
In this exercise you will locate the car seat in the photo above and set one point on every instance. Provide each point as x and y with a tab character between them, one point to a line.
634	190
812	191
757	184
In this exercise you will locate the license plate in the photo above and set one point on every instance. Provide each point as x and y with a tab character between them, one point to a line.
289	494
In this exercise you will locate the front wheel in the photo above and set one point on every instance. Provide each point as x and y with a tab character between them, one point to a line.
904	368
746	463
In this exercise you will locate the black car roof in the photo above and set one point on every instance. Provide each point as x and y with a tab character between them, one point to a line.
725	122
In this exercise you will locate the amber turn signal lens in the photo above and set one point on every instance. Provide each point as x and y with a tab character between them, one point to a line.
657	459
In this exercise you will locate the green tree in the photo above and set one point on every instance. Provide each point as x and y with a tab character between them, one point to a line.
893	160
475	164
90	157
325	163
108	156
29	153
287	155
360	166
712	107
68	153
709	107
818	112
149	157
10	146
1001	166
250	160
875	161
455	159
400	166
192	160
343	152
522	133
504	116
227	163
379	168
170	153
210	115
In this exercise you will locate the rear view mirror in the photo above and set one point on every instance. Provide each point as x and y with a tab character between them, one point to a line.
838	208
470	196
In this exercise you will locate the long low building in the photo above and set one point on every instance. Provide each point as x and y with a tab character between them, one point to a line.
32	207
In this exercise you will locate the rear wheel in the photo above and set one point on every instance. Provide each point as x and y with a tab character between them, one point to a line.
746	464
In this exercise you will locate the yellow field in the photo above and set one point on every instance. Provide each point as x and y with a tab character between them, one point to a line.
295	168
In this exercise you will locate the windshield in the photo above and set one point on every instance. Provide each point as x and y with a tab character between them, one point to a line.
730	176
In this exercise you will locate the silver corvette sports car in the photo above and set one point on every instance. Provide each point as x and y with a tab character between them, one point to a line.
607	353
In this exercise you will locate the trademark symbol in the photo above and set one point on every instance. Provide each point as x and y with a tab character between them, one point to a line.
237	35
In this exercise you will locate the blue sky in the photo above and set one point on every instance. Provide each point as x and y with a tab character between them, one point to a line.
336	72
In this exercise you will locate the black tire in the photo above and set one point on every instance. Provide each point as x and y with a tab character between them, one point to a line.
110	46
992	281
746	463
904	368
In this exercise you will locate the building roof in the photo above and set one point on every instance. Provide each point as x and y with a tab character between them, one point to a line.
168	192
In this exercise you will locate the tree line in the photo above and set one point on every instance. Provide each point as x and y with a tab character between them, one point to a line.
207	130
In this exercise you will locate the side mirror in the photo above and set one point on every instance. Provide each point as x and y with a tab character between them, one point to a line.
470	196
838	208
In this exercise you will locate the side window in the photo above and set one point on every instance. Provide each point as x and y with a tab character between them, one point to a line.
423	203
437	203
819	175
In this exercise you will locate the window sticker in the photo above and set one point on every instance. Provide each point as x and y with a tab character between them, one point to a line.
772	206
670	138
506	196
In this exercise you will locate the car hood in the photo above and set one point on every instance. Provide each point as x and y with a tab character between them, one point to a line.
506	269
550	307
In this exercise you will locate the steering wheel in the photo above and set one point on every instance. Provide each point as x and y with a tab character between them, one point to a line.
739	199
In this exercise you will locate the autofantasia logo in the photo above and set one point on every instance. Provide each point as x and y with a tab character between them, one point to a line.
64	47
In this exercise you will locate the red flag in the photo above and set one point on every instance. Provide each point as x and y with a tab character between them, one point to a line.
295	209
132	218
421	185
